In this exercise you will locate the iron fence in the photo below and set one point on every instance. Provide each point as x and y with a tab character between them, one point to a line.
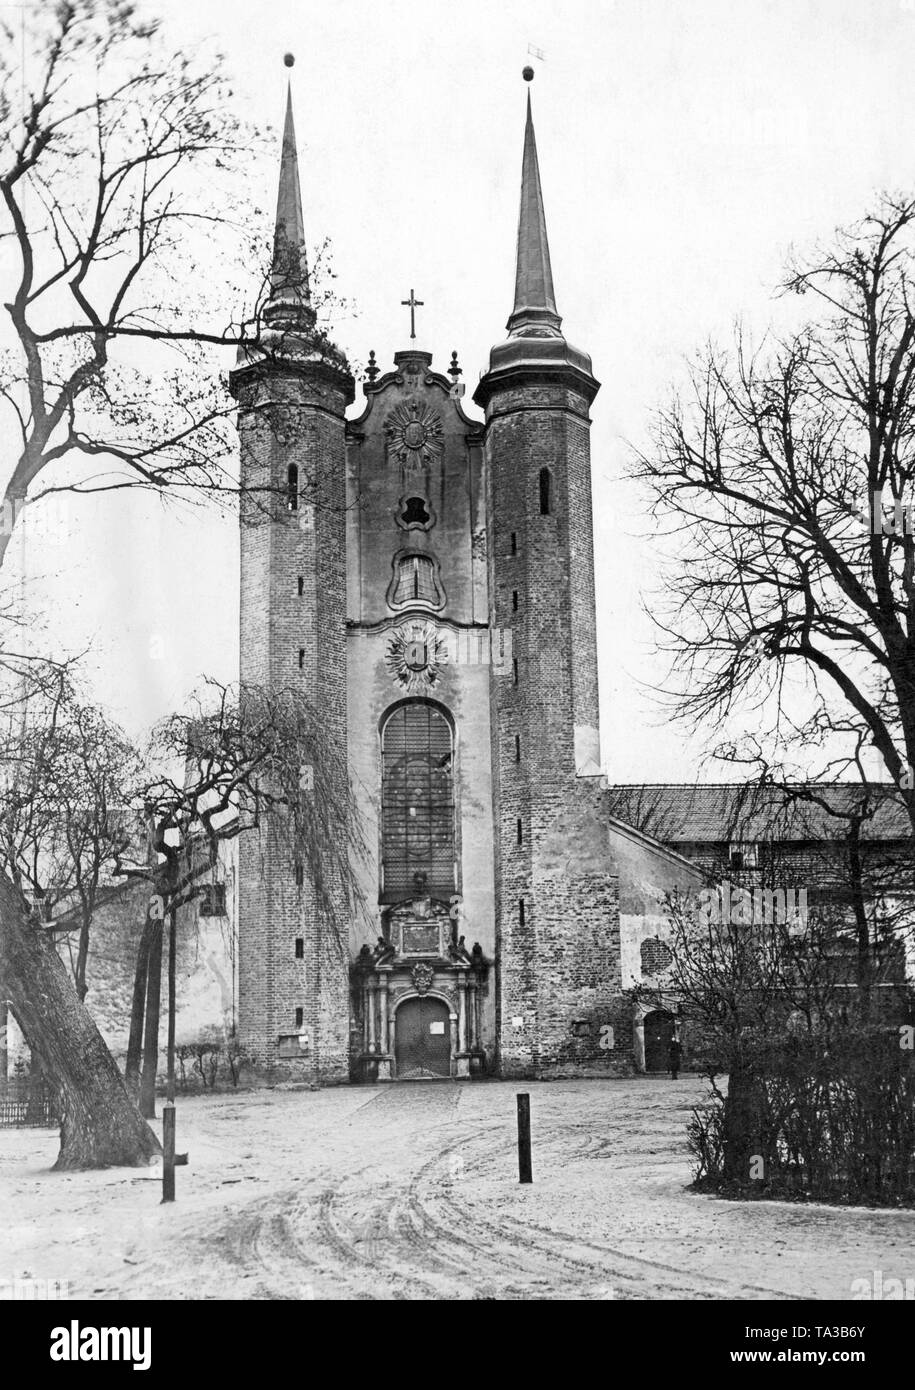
39	1112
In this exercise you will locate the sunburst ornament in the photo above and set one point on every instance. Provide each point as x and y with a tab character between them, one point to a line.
414	433
415	656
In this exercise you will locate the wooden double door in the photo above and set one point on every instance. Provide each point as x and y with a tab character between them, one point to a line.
422	1039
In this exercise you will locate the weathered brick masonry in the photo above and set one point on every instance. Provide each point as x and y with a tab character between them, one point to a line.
557	908
292	391
557	903
293	634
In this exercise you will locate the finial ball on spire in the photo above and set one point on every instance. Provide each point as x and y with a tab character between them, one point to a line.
289	59
527	74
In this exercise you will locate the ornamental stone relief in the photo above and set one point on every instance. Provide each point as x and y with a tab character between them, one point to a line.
414	435
423	976
415	655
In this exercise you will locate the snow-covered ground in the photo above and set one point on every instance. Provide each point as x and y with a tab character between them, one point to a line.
411	1191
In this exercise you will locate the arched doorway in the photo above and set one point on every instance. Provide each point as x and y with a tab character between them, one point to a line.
659	1029
422	1039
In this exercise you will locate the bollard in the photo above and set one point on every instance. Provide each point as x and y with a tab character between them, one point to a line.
524	1139
168	1152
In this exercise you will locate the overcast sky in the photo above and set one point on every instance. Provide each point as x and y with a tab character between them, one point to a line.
684	147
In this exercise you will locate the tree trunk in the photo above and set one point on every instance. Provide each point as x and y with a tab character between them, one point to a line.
4	1043
151	1038
864	962
101	1126
138	1011
82	958
742	1140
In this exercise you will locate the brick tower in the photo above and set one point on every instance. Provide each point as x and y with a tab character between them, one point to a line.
556	920
292	394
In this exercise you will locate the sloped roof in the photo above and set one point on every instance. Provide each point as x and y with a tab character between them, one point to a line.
707	813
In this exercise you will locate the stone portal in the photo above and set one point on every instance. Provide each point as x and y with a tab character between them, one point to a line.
417	998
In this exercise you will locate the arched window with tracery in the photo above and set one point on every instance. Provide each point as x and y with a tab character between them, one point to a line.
417	800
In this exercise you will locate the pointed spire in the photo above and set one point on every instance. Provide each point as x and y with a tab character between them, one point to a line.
290	294
535	305
535	352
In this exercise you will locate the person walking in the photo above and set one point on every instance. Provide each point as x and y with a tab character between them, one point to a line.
674	1053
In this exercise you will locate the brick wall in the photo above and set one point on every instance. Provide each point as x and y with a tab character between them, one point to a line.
293	635
559	980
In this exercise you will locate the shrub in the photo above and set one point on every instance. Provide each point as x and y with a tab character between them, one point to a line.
832	1119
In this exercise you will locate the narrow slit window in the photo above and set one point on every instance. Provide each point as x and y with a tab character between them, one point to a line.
301	585
521	912
514	670
299	948
299	875
301	658
546	487
520	832
292	488
517	748
299	1017
514	600
514	542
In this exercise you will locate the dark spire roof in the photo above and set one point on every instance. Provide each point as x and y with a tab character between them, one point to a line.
535	303
288	336
535	348
289	304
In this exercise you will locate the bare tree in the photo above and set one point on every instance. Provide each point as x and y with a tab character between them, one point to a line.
101	1126
132	255
739	976
63	823
786	605
646	808
100	187
860	860
255	760
798	942
116	178
853	834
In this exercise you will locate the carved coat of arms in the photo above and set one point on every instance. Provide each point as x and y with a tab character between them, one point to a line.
422	978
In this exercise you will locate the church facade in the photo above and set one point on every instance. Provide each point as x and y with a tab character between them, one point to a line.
422	574
426	578
420	569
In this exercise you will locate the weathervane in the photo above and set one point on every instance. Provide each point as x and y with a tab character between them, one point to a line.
412	304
